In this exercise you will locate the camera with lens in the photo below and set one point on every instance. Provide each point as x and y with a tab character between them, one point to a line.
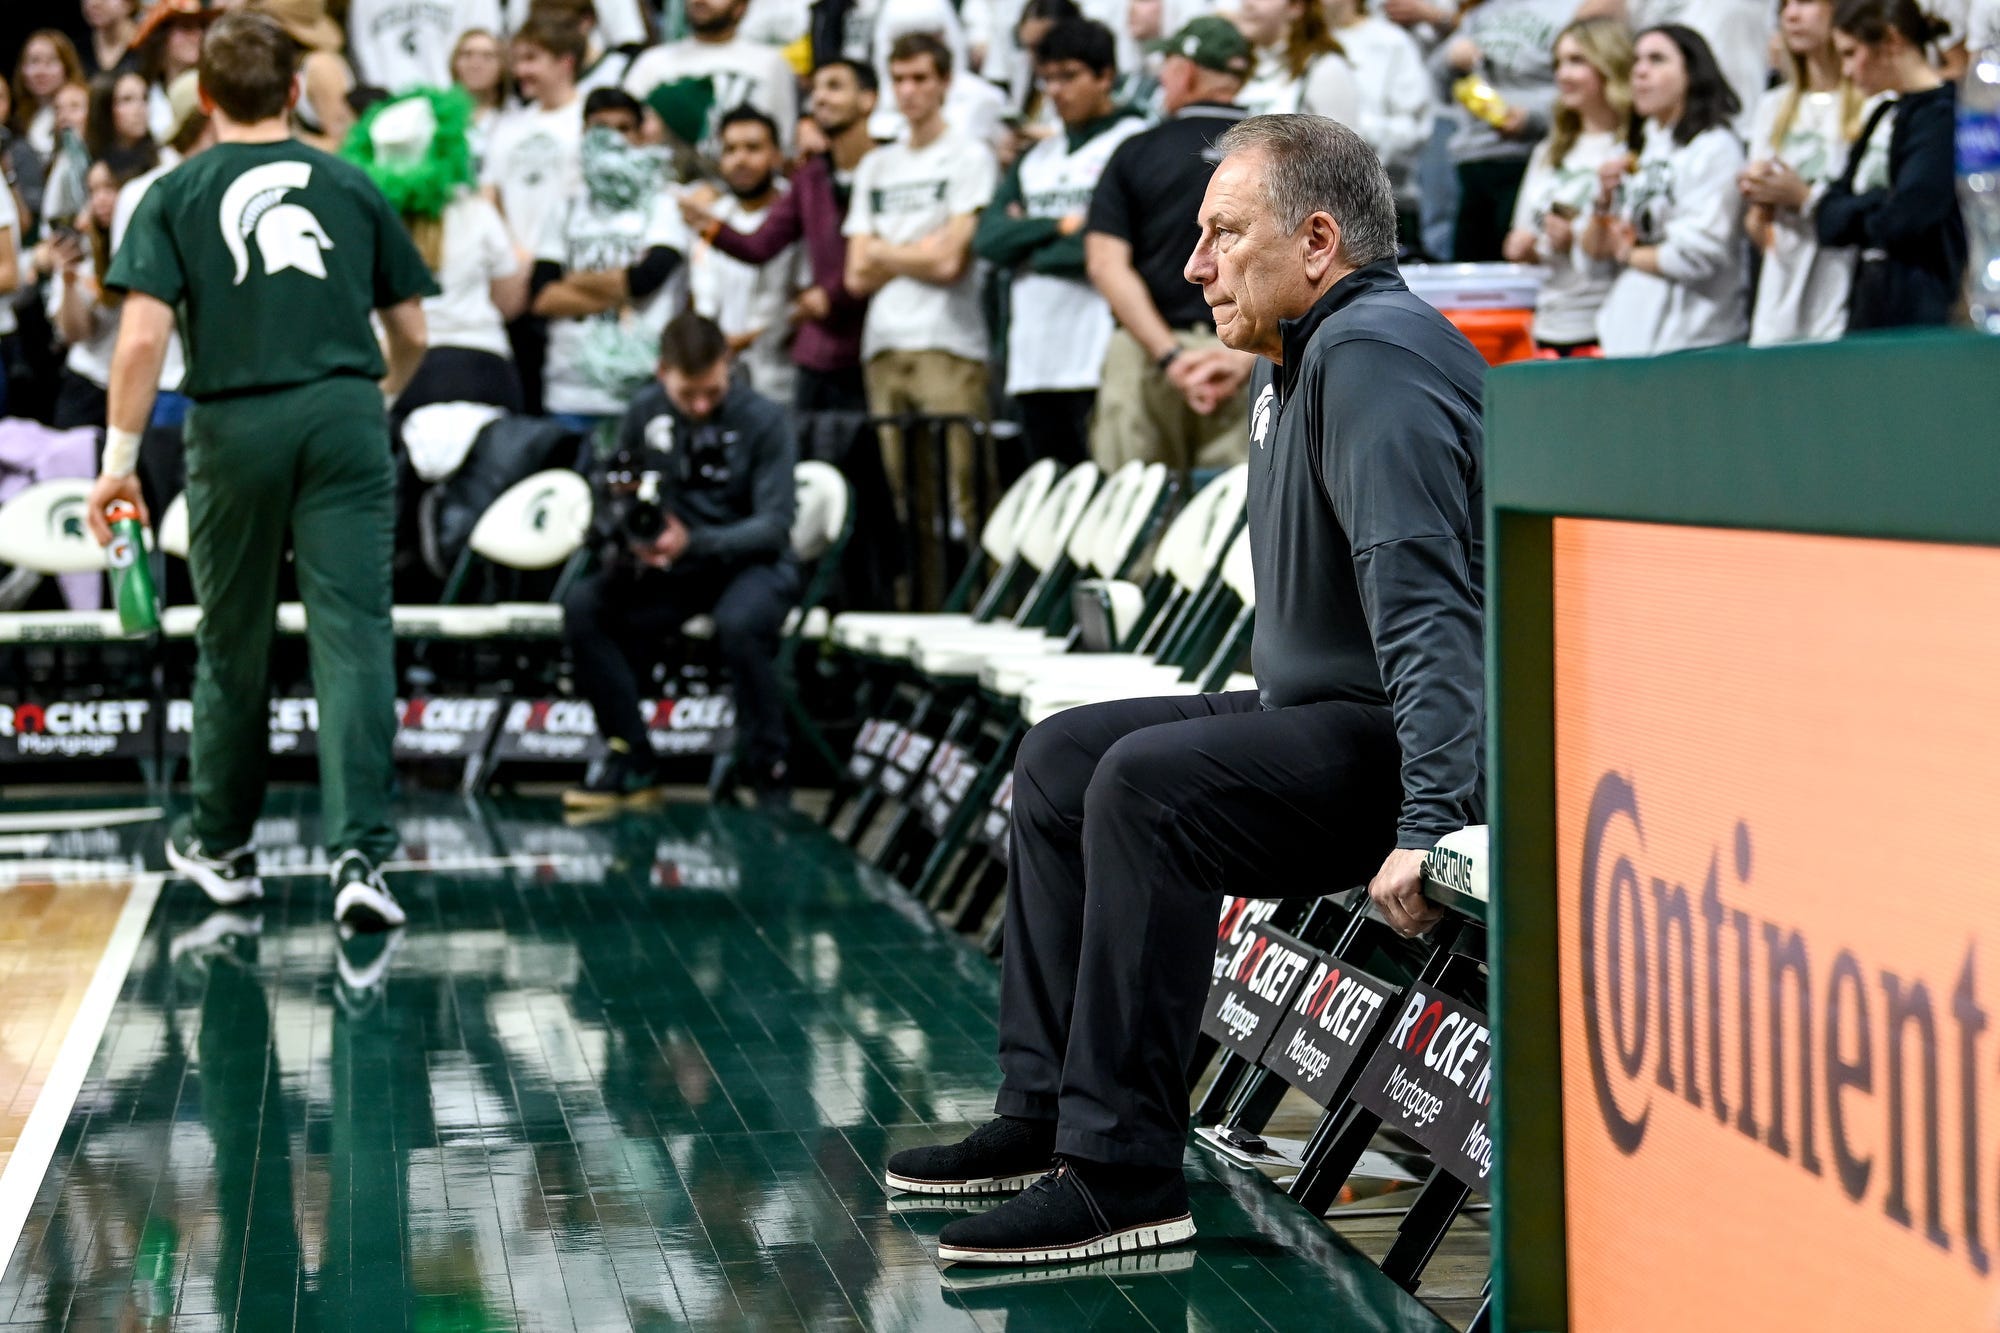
633	502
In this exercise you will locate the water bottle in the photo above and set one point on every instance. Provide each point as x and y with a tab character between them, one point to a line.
131	572
1979	186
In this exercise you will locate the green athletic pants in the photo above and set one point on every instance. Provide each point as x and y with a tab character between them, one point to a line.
314	460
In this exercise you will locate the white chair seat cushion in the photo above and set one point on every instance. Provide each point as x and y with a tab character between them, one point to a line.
993	638
59	626
853	629
1016	674
180	622
448	622
1459	860
530	620
969	658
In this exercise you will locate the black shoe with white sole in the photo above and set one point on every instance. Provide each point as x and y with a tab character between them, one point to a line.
361	901
1001	1156
1077	1211
228	878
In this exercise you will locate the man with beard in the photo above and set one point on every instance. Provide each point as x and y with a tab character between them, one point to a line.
749	301
828	317
691	83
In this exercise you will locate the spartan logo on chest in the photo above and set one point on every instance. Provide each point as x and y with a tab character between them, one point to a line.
1261	413
287	235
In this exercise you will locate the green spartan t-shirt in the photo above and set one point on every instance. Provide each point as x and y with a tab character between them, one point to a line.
273	255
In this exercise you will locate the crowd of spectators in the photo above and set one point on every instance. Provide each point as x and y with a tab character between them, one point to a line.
980	210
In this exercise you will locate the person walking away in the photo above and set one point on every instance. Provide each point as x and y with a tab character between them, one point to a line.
277	254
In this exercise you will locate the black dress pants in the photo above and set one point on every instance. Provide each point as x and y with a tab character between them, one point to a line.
619	625
1056	424
1130	819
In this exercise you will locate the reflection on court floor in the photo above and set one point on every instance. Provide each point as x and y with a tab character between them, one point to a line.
636	1074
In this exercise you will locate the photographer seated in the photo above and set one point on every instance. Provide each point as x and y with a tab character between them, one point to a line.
694	517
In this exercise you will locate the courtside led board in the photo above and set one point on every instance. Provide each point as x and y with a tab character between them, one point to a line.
1743	695
1776	787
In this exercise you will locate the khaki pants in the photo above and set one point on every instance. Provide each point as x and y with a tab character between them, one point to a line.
1141	415
934	384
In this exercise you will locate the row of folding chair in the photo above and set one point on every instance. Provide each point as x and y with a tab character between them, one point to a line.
539	524
928	790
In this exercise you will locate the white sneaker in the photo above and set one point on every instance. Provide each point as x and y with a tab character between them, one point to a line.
229	879
361	901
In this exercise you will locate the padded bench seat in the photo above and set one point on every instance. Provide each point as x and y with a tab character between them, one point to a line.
1456	869
60	627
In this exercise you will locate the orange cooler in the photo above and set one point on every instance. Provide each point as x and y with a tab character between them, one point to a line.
1491	304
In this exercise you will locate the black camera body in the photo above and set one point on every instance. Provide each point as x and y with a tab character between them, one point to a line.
635	511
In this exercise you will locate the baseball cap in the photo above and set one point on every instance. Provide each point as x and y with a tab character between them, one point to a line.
1211	42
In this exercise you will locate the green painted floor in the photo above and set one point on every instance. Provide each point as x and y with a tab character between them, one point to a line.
642	1074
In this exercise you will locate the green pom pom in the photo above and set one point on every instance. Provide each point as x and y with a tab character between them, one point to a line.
421	189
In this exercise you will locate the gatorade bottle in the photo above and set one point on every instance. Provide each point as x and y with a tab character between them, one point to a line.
131	572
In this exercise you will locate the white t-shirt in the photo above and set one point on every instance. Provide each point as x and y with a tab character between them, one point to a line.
1060	328
1566	310
583	238
1982	25
742	298
903	194
89	357
1683	201
742	72
402	44
774	22
477	252
619	22
1394	106
535	159
1802	289
174	368
1328	87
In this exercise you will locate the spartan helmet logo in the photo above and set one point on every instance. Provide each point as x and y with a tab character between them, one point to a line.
288	236
1260	415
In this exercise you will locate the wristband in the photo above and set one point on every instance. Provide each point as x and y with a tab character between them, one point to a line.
1165	359
121	452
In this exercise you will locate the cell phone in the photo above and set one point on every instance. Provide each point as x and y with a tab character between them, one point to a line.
63	231
1567	212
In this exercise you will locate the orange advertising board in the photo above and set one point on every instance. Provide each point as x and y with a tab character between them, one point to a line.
1778	823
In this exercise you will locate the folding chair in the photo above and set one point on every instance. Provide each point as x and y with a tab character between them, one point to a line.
42	530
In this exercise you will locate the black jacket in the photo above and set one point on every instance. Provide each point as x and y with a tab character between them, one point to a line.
1911	236
728	478
1366	536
